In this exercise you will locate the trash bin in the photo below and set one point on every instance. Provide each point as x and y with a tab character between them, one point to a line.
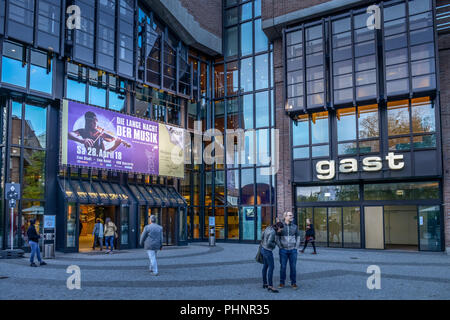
212	237
49	251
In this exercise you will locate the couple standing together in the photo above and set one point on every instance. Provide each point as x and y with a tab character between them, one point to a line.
286	236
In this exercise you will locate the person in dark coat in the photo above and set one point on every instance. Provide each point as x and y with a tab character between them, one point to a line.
33	240
310	236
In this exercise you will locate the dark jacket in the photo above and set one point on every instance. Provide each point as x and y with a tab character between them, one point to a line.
310	232
268	241
32	234
289	238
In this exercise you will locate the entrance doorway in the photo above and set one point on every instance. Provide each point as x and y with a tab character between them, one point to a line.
400	227
168	222
88	215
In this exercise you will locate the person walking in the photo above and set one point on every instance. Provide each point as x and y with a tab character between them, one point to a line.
110	232
152	239
288	242
33	240
98	234
310	236
268	243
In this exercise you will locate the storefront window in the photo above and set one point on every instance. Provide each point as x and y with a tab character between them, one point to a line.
247	221
402	191
320	225
31	210
264	220
71	228
335	227
219	214
430	228
124	219
328	193
34	174
233	223
352	227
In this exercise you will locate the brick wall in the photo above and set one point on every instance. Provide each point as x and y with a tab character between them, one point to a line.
207	13
444	66
282	123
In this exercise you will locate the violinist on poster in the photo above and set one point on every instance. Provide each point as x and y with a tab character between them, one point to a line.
93	136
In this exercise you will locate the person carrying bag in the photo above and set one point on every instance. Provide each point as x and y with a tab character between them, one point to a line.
268	243
110	233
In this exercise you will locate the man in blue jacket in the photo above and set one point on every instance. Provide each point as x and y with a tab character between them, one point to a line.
288	241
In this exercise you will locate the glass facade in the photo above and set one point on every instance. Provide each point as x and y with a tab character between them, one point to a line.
352	92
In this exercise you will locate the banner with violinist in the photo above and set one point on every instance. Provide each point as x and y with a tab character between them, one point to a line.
104	139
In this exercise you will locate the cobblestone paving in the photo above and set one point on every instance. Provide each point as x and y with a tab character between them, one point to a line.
228	271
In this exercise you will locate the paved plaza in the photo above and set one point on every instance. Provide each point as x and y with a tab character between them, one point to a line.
228	271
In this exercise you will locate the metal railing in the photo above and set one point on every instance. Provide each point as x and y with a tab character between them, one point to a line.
443	18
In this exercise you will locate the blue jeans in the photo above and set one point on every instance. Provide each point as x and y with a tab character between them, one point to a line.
286	255
35	250
268	266
109	241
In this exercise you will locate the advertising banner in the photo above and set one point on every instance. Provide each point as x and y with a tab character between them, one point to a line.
171	154
104	139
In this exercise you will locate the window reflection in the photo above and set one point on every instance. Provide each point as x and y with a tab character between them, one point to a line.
398	117
346	124
319	127
35	126
247	74
41	72
14	69
246	38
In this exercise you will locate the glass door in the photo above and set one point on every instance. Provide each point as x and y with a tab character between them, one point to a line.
430	228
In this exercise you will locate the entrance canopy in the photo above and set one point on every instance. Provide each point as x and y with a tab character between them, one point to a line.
106	193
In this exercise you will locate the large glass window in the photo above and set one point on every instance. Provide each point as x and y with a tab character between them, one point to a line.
41	72
311	131
430	228
411	123
404	66
246	38
364	127
328	193
233	223
247	74
29	136
402	191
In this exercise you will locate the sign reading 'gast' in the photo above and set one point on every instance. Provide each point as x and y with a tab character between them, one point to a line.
326	170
